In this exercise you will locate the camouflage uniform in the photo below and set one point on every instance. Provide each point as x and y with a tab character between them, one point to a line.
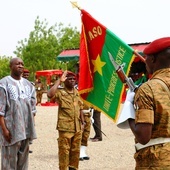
39	92
69	127
152	105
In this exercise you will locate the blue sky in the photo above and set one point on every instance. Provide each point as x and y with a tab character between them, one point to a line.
134	21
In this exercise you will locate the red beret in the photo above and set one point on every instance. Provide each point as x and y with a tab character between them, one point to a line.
157	45
69	74
26	71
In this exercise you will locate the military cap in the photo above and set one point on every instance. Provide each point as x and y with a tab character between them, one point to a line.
69	74
157	46
26	70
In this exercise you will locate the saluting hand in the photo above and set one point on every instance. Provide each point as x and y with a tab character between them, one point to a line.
63	77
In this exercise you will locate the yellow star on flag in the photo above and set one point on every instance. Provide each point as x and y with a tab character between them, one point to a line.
98	64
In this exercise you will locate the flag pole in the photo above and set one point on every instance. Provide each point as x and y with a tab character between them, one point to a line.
138	55
75	5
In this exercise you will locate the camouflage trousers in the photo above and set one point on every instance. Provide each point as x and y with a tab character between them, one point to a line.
156	157
86	131
69	149
39	97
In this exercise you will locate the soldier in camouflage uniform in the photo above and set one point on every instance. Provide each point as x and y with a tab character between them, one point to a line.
70	121
39	87
151	126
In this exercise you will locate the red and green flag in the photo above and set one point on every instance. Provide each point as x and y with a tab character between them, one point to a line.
99	84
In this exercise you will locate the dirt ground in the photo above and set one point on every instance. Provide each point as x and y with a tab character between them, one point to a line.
115	152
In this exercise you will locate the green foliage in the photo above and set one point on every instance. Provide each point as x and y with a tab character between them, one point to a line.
4	66
44	44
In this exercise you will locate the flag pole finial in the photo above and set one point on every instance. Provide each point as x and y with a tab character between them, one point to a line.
75	5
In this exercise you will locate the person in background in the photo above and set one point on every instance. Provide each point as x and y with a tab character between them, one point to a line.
26	74
17	110
97	126
87	111
70	121
151	122
138	72
39	87
139	75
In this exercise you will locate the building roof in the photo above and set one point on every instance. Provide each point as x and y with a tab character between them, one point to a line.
73	54
67	55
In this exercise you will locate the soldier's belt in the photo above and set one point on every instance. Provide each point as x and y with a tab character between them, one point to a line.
152	142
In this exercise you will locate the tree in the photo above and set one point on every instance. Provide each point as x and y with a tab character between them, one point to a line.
4	66
44	44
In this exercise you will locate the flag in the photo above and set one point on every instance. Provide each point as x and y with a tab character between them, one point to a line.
99	84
